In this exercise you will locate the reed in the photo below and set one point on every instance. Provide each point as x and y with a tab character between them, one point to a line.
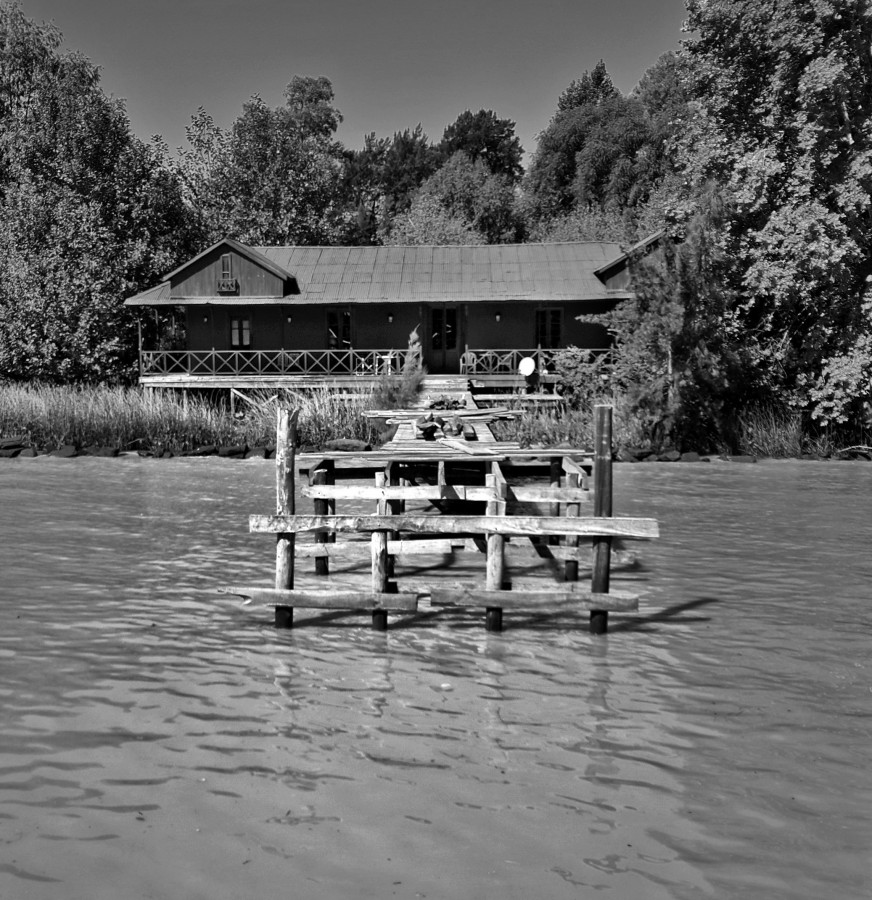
134	419
552	426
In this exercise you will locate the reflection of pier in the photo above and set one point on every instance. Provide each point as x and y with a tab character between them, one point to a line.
444	497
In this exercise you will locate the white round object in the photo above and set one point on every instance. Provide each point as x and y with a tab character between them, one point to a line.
527	366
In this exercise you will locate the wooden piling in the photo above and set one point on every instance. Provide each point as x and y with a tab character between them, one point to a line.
321	508
495	563
602	506
379	543
570	567
286	440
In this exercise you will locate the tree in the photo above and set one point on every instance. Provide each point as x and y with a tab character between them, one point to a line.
602	149
90	213
380	180
783	93
592	89
275	177
676	360
483	136
427	221
408	162
309	105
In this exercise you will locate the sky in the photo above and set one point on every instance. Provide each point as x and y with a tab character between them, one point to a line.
392	63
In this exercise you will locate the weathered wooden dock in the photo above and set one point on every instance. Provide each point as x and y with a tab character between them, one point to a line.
457	498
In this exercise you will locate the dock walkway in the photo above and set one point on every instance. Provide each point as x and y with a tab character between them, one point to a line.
441	502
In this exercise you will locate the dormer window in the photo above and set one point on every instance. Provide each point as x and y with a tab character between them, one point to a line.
227	283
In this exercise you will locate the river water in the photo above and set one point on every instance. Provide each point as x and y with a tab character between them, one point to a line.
160	740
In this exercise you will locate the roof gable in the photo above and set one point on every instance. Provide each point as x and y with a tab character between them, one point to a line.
242	249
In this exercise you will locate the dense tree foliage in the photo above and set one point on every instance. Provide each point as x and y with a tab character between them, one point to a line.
463	197
90	213
483	136
752	146
783	124
381	178
602	150
275	176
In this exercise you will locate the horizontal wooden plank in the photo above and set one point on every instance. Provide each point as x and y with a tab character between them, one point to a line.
327	599
363	549
418	524
577	599
526	493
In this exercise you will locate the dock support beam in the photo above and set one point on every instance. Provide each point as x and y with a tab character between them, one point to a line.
286	441
602	506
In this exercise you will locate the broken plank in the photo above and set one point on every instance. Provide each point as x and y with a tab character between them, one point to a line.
581	599
418	524
361	549
326	599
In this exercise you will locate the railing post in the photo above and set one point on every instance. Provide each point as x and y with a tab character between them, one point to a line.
286	439
602	506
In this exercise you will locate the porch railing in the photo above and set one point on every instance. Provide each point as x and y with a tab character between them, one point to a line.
338	362
507	362
271	362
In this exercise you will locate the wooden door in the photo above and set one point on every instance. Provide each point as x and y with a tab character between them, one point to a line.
442	348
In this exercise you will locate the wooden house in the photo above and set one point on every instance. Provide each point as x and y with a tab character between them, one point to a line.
306	316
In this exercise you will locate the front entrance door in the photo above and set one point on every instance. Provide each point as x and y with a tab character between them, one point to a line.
442	350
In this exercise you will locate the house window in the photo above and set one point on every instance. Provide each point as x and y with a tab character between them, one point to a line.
549	327
226	265
240	333
339	329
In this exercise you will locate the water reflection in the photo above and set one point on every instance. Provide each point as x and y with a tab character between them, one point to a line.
160	736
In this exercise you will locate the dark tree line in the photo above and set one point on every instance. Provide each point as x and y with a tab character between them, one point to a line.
750	146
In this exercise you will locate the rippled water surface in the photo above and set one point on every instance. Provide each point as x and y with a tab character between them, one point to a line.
160	740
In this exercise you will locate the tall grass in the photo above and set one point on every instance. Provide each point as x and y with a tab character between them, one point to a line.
559	424
135	419
779	434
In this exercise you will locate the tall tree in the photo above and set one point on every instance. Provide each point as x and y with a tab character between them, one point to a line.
784	95
90	213
483	136
275	176
380	180
600	149
592	89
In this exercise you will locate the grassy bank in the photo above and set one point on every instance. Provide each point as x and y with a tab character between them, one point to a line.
134	419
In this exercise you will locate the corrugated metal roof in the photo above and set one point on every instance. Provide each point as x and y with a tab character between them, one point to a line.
524	272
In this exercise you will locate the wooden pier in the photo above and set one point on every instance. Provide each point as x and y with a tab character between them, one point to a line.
447	497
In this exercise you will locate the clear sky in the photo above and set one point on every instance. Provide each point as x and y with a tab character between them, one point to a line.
393	63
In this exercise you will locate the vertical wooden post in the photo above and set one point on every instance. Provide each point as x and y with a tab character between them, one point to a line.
323	473
495	571
380	561
394	507
570	568
321	508
602	506
286	440
556	473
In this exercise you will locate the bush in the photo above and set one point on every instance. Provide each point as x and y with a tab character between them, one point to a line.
401	391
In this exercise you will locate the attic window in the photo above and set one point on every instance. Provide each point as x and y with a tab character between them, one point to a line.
227	283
